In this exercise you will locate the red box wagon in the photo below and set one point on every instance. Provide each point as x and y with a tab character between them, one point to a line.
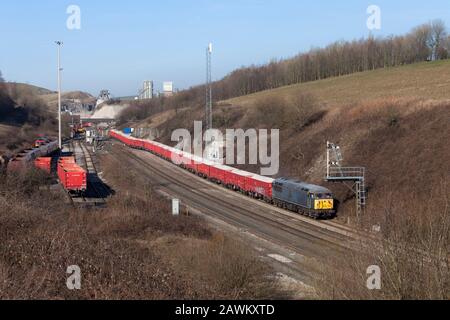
136	143
45	164
158	149
149	146
16	164
204	168
73	178
166	152
180	158
238	179
193	163
126	140
64	161
259	186
220	173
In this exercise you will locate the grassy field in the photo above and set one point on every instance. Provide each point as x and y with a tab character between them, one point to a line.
428	80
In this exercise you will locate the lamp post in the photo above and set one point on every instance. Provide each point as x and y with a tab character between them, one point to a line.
59	44
209	113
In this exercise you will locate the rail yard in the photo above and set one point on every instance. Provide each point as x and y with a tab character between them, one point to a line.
294	244
299	240
96	192
291	239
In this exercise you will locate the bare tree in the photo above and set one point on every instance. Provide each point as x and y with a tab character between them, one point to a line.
438	33
422	43
426	42
2	87
446	47
421	38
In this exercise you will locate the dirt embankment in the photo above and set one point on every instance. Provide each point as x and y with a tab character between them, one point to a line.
109	111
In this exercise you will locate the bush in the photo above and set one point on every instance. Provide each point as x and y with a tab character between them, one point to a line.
223	268
393	117
6	104
268	113
304	110
411	250
295	113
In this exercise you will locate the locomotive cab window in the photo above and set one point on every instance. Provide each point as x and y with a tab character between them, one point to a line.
278	187
323	196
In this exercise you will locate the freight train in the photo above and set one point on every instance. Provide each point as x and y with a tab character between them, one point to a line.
28	156
72	177
310	200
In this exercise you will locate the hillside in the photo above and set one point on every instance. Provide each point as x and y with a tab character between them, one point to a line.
46	95
394	122
52	98
27	111
23	116
428	80
35	90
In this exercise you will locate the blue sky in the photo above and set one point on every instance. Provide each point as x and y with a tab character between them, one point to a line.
122	43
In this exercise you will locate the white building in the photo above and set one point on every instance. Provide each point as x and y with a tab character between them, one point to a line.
168	88
147	91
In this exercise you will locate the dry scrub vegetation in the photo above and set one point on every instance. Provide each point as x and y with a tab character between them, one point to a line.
134	249
292	114
412	252
213	265
403	143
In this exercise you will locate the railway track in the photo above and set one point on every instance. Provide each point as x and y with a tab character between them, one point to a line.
306	240
97	193
341	239
287	221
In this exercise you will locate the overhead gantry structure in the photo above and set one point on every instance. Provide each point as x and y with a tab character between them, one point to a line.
353	177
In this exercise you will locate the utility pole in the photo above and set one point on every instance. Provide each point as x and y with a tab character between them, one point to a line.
209	112
59	43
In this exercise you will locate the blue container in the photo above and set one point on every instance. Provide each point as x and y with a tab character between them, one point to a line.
128	131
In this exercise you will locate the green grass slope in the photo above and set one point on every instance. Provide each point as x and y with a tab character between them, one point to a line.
428	80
